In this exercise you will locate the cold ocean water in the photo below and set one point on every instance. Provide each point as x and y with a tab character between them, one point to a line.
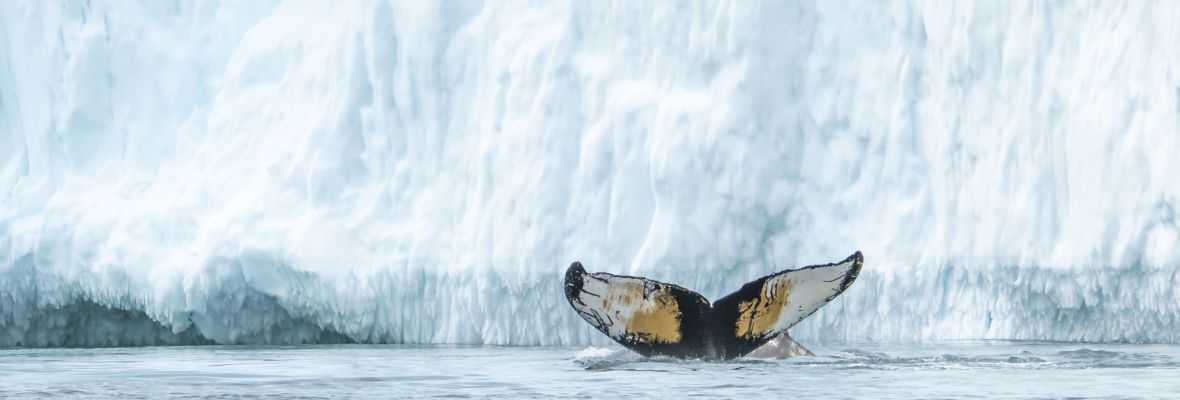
967	369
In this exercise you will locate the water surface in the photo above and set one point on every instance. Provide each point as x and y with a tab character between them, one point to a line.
962	369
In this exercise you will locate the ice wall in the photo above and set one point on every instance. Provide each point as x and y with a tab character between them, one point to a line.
249	172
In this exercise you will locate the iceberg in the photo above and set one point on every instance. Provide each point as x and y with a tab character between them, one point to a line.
420	172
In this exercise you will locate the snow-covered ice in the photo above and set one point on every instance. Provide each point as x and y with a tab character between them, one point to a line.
420	172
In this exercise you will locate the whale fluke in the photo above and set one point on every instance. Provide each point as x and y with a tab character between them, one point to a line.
654	318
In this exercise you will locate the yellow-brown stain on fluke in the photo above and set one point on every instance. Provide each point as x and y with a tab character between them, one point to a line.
649	316
758	316
623	295
659	322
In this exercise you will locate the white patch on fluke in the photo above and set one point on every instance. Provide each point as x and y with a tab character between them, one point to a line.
630	307
811	288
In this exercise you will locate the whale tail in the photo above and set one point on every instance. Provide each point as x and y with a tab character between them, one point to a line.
661	319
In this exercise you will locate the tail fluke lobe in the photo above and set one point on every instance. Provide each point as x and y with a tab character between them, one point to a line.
765	308
650	317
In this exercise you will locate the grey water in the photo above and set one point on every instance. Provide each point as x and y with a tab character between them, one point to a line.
974	369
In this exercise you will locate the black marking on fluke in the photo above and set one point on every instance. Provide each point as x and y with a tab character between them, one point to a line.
712	331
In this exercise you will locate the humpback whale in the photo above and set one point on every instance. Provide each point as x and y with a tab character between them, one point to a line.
661	319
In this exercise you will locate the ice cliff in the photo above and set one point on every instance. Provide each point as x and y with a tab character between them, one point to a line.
249	172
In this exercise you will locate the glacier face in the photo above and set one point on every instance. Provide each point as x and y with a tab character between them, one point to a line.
261	172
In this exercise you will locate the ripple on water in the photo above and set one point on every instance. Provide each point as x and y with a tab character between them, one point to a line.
985	370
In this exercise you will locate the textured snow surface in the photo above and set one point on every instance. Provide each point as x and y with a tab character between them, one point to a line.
249	172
